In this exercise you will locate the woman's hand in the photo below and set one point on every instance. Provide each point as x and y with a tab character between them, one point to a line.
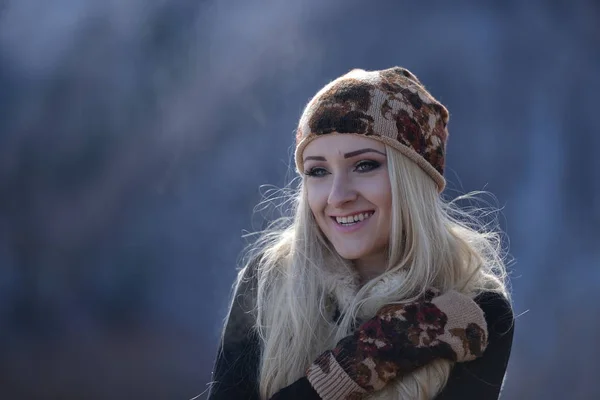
398	340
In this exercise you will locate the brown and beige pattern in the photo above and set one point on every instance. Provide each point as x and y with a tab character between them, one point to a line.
398	340
331	381
391	106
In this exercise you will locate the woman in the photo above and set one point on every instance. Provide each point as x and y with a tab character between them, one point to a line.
375	288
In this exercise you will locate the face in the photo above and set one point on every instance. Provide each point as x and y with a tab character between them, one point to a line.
349	193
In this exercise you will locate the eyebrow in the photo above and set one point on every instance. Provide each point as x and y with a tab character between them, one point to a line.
362	151
347	155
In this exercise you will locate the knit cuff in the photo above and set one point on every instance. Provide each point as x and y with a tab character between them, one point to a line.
330	380
466	328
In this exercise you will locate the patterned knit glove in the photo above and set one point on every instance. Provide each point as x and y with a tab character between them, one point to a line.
397	341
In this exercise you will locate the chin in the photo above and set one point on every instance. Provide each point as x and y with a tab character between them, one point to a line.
349	254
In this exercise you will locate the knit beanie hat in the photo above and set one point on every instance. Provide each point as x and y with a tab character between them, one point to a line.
391	106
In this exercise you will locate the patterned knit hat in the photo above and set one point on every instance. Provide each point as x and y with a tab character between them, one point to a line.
391	106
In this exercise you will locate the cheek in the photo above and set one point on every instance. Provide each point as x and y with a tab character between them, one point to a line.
379	193
315	198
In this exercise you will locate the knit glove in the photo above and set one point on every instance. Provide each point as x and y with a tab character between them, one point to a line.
398	340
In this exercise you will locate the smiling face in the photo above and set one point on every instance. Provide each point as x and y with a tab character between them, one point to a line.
349	193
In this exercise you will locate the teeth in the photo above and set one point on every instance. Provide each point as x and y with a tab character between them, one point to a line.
353	218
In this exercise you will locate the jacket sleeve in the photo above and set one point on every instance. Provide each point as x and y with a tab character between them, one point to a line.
483	378
235	372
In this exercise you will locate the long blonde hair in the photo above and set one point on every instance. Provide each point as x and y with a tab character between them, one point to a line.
432	242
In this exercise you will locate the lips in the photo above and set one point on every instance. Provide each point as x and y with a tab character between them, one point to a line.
353	218
350	223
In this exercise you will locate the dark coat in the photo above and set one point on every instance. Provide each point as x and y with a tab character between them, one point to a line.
235	374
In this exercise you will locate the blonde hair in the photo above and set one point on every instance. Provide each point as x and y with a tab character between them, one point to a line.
433	242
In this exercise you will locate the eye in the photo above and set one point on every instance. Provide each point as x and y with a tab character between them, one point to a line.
366	166
316	172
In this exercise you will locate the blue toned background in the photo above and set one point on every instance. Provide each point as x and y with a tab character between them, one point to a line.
134	136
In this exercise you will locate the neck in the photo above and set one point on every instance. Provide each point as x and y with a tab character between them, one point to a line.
370	267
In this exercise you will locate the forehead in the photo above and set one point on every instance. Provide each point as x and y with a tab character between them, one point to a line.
340	143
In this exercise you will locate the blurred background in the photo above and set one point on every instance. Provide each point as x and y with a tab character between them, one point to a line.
135	137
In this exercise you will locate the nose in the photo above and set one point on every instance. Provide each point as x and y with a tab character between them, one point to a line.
341	192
